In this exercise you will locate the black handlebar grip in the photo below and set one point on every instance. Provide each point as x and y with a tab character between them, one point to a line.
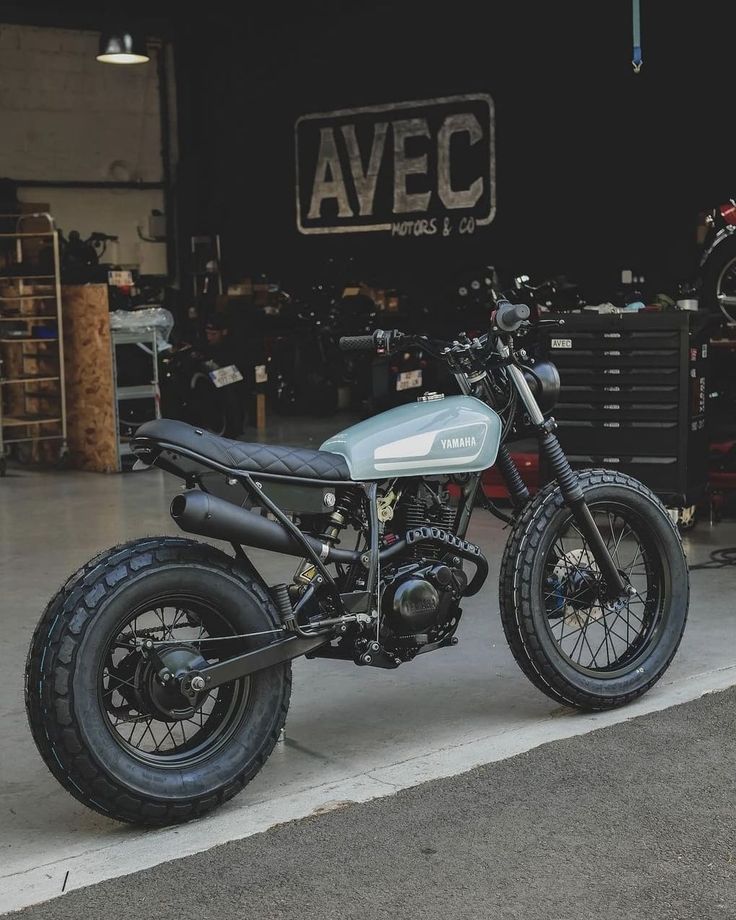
357	343
509	316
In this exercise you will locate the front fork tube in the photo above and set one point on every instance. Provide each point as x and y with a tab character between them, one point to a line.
572	493
569	486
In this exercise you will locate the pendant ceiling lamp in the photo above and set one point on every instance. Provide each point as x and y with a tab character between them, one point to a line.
122	47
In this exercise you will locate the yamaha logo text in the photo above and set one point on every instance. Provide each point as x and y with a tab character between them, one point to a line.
450	443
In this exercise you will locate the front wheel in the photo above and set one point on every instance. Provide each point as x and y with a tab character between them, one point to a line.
118	738
569	640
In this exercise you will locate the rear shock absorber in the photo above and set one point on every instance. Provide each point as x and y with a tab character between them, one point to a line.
344	510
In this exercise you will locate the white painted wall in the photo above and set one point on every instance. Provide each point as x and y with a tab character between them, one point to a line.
114	211
65	116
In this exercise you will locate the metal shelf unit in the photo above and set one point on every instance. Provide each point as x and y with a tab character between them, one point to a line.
18	290
146	338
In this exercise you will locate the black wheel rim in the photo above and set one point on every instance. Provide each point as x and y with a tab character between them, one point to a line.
595	638
126	684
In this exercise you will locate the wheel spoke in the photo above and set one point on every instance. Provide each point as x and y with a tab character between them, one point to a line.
638	553
578	641
160	617
618	542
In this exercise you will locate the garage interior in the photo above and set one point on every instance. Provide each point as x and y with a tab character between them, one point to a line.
188	235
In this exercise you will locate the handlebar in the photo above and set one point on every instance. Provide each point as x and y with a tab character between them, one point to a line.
383	341
509	316
357	343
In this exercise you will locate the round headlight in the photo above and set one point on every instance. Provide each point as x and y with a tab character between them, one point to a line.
544	382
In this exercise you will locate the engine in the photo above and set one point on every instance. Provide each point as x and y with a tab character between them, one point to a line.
421	589
420	598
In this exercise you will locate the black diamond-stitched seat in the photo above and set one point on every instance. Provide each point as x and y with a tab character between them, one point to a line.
254	458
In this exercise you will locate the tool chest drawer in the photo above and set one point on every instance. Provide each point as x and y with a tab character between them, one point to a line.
619	411
603	376
627	339
603	358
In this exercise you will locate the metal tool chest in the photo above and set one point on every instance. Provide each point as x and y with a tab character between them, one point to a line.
633	397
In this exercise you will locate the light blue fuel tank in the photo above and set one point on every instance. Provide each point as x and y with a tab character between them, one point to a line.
455	434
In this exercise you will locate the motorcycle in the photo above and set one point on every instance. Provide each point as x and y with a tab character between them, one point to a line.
718	262
303	375
203	391
158	679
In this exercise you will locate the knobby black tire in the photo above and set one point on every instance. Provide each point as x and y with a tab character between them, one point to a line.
523	615
88	765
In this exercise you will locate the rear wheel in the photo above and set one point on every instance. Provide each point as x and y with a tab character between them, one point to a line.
120	740
568	638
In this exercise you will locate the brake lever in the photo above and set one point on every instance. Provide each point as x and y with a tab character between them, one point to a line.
550	322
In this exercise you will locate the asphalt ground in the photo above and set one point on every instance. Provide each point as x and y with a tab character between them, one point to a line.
631	821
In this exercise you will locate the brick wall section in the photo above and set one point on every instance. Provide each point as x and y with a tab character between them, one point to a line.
63	115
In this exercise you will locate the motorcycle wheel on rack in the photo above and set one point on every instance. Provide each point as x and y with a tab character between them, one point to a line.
718	288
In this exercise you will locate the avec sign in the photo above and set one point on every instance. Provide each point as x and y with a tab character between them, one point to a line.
408	168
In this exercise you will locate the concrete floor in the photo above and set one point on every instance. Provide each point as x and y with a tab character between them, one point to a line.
352	734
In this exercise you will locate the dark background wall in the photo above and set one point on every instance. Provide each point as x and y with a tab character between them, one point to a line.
597	168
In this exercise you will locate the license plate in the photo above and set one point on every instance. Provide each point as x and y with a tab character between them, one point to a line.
224	376
408	380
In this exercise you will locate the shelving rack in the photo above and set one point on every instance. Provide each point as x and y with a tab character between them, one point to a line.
148	390
28	360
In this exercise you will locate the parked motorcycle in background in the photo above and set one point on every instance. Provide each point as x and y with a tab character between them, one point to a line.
204	385
303	365
718	262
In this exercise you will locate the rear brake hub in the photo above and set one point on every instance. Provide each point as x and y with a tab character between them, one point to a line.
164	699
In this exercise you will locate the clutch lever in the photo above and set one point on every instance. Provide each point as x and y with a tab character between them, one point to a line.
550	322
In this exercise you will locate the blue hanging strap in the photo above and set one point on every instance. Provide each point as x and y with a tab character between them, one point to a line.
637	59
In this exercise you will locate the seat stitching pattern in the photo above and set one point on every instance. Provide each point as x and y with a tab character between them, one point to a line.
296	461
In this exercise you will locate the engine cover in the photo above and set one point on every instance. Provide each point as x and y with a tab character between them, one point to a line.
414	606
418	599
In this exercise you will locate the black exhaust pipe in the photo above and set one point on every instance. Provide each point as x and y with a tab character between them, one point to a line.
208	516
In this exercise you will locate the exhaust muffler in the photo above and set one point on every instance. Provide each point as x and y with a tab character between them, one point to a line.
208	516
